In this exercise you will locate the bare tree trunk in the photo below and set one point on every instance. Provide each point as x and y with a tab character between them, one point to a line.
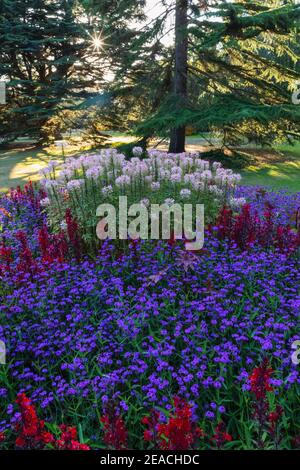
177	140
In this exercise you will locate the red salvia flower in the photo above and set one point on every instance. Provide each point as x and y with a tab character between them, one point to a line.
73	234
274	425
260	380
115	432
151	422
224	222
44	243
260	385
68	439
31	432
179	433
247	228
26	262
221	436
6	257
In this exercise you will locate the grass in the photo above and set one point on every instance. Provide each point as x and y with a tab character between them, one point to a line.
277	169
281	170
18	166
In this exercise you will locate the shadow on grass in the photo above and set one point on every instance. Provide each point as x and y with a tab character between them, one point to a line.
278	175
18	166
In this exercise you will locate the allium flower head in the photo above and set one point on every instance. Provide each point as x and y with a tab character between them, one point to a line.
185	193
155	185
106	190
169	201
45	202
137	151
75	184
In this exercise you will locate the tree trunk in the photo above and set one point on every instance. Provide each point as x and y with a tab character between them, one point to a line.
177	140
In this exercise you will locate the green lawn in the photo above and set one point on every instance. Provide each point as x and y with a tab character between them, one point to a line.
18	166
281	172
275	170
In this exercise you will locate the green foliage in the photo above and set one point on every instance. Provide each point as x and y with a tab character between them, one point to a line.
235	160
243	66
45	55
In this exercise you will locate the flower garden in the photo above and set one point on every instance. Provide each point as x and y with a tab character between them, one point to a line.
145	345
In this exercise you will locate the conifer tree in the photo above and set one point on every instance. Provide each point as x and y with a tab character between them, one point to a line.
234	66
47	56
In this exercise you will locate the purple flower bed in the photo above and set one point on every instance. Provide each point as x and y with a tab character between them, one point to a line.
139	328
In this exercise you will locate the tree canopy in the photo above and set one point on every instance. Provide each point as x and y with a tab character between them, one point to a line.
47	56
225	66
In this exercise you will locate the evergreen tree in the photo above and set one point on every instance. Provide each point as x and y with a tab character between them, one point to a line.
139	69
234	64
48	57
177	140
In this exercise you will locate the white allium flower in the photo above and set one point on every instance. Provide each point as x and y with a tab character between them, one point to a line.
176	170
106	190
142	168
185	193
237	202
137	151
53	163
186	162
74	184
175	178
44	172
50	184
216	165
198	185
199	163
122	180
145	202
206	175
237	177
135	161
67	173
118	159
164	174
155	185
169	201
45	202
213	188
94	172
63	225
189	177
129	169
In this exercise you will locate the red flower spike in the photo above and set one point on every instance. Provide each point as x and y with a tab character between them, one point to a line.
221	436
179	433
68	439
115	432
260	380
31	433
